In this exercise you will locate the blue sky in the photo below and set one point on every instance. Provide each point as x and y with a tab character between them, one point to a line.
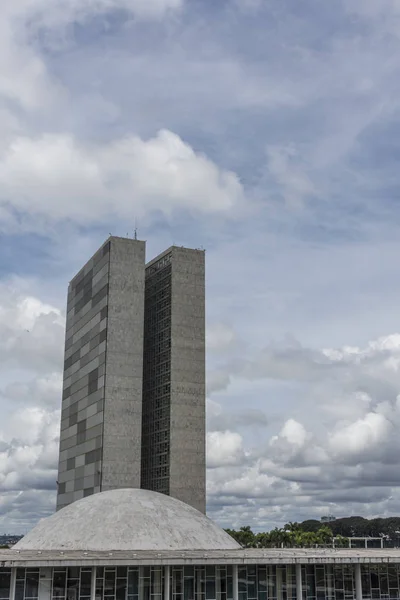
266	132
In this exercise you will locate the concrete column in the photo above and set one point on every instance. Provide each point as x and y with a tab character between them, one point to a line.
156	582
235	582
141	584
167	587
279	591
299	583
198	578
330	594
218	582
45	583
93	585
358	582
366	543
13	582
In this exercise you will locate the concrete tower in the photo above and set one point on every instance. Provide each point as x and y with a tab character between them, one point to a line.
100	441
135	343
173	434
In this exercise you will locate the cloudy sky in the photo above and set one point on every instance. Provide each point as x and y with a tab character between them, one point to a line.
266	131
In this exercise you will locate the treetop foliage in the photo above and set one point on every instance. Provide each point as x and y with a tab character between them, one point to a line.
314	533
292	535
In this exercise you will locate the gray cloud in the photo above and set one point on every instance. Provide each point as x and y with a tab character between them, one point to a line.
234	421
19	510
342	453
31	331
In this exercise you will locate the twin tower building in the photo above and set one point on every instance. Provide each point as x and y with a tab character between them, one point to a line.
133	404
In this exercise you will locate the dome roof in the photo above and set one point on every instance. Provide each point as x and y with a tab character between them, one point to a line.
127	519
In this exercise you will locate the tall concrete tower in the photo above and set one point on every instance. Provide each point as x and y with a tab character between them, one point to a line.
133	406
173	434
100	440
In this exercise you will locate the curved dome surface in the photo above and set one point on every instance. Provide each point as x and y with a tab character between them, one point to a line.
127	519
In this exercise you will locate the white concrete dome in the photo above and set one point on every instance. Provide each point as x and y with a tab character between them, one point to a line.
127	519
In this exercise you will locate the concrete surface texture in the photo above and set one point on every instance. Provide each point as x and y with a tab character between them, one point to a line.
122	426
188	406
102	391
237	556
127	519
173	451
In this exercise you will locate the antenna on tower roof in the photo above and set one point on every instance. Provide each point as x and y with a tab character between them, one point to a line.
135	229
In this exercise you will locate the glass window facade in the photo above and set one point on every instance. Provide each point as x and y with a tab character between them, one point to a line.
27	584
328	582
267	582
156	409
71	583
255	582
381	581
201	583
5	580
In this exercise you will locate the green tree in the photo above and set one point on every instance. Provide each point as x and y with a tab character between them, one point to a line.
245	537
308	539
292	527
262	540
311	525
324	535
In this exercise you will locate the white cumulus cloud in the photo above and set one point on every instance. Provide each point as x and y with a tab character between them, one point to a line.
56	177
224	448
366	433
31	331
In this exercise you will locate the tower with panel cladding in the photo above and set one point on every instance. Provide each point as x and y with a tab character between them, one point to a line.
133	405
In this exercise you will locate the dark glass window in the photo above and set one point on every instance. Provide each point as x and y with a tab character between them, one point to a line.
5	580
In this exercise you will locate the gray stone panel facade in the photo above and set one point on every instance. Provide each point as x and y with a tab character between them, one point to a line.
124	366
81	436
104	315
187	439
